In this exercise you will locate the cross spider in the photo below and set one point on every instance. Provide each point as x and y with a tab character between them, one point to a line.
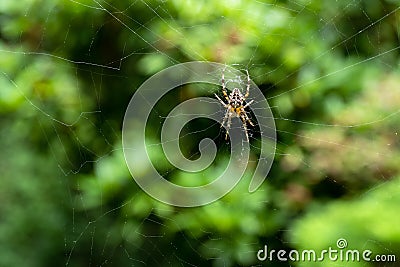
234	106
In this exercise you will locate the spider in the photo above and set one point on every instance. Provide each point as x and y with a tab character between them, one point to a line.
235	105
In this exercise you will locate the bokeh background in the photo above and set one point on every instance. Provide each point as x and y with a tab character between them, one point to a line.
329	69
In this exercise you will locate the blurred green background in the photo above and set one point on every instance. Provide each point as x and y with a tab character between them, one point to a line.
330	70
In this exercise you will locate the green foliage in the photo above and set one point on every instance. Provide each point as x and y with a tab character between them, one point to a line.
374	226
32	200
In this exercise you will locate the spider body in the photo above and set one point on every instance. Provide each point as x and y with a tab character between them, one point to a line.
235	106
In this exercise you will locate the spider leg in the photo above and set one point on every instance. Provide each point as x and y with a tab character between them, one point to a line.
225	117
248	104
250	122
248	85
244	114
224	85
243	118
222	102
228	126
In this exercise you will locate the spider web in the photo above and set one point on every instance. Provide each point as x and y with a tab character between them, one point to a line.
106	220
